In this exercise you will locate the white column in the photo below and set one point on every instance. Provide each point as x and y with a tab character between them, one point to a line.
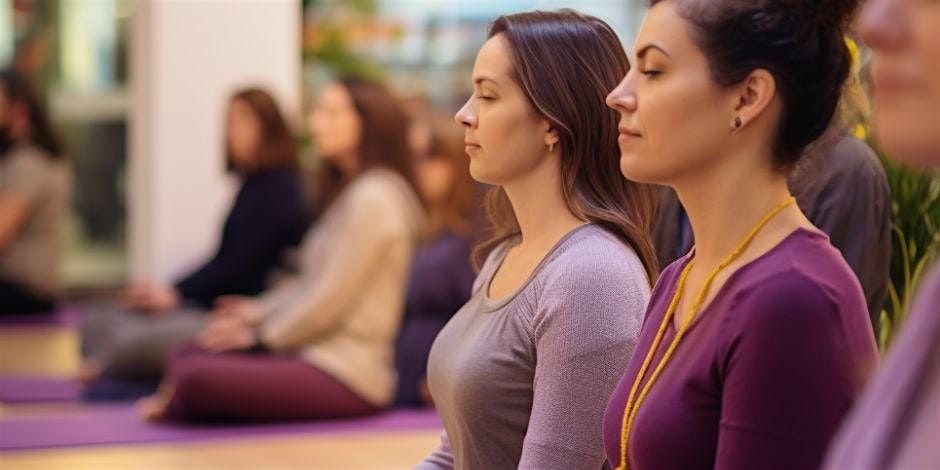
187	57
6	31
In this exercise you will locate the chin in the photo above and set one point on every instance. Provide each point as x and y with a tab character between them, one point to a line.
914	144
634	168
479	174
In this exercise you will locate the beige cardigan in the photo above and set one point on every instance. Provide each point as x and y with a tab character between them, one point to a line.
343	311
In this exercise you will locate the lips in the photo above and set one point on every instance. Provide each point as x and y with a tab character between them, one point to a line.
470	144
627	131
886	83
471	148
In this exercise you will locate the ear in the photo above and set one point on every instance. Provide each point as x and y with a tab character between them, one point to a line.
551	137
753	97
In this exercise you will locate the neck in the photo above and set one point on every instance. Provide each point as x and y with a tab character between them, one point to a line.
725	203
348	166
539	204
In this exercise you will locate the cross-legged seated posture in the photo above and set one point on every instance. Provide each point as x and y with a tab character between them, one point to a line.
127	339
320	345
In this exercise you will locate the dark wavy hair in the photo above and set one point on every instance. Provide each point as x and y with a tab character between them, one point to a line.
276	149
800	42
19	91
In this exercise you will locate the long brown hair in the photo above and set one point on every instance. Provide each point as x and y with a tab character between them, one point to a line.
383	140
566	63
19	91
276	149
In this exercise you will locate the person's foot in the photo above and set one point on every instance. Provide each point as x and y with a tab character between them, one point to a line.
153	408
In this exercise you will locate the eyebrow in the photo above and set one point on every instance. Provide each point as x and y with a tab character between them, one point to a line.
479	80
646	48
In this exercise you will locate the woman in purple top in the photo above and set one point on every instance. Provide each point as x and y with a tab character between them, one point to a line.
756	343
896	422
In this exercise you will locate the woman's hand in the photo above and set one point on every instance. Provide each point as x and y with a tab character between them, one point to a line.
153	297
227	334
245	309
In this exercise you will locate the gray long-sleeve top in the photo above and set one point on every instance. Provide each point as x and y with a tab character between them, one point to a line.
521	382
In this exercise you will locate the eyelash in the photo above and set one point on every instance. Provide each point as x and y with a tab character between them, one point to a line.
487	98
651	74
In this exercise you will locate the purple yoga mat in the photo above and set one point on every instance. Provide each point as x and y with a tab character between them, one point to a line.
119	424
25	389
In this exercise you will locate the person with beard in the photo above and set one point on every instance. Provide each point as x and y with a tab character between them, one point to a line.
35	184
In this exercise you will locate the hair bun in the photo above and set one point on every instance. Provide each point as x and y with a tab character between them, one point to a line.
825	13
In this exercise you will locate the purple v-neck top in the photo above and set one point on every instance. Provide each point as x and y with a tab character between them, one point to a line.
765	373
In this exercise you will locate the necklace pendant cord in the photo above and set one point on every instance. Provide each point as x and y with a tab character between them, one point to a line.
634	401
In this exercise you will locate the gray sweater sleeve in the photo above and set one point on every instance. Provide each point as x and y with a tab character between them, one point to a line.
441	459
584	330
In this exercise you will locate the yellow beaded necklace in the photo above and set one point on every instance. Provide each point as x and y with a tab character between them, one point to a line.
634	402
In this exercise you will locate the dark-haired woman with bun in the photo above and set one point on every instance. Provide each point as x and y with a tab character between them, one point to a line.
757	342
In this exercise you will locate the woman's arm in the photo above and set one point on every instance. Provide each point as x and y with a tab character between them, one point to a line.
374	217
585	331
14	211
789	376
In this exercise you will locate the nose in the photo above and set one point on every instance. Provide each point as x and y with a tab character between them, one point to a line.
623	97
465	116
315	121
881	24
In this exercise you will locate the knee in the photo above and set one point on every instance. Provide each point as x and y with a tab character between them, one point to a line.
194	390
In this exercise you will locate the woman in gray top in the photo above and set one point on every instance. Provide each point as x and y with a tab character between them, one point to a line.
520	374
34	192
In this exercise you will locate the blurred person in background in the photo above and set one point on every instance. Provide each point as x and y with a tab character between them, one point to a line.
35	183
896	423
320	345
127	340
441	273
